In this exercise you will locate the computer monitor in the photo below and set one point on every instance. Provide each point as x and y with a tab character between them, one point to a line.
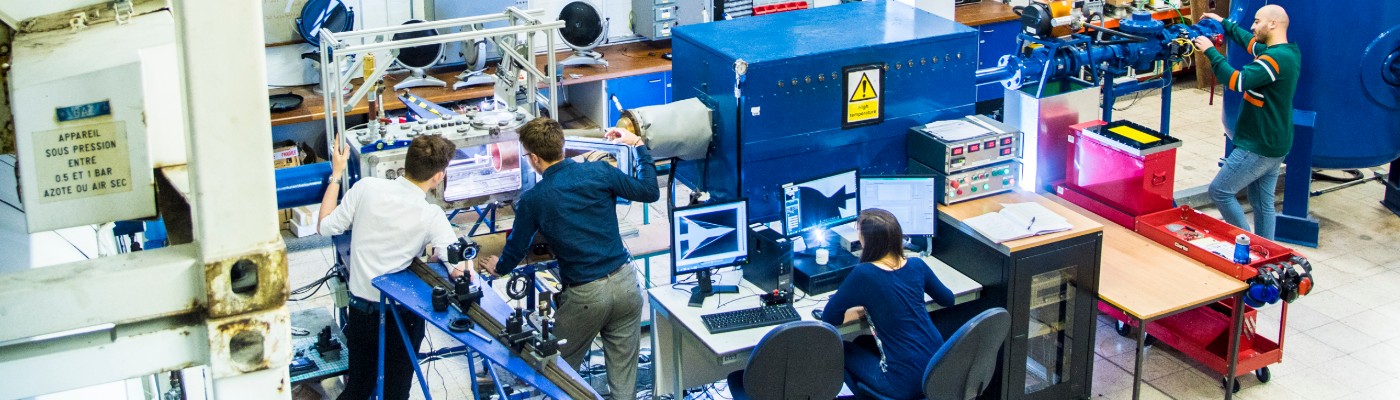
910	198
707	237
483	171
820	203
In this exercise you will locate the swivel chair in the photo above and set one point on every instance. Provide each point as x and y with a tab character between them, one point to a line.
796	360
963	367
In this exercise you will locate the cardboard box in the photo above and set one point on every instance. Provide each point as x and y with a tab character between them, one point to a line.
304	220
284	157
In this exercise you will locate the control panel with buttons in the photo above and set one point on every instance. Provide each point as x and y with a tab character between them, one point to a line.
973	183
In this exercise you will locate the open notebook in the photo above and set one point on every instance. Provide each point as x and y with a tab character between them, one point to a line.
1016	221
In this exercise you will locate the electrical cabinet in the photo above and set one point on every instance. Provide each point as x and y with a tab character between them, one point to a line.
654	19
1051	292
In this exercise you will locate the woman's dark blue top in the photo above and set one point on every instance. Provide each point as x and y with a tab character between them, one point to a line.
894	302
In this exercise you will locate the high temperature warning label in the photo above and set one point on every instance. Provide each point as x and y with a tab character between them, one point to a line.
82	161
864	95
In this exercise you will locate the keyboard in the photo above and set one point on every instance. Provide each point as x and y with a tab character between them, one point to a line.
756	317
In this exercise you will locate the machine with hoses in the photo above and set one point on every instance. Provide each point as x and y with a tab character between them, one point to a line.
1100	55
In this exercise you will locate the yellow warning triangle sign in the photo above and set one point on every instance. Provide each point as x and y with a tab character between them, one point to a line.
864	91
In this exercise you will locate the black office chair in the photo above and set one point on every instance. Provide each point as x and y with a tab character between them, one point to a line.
963	367
796	360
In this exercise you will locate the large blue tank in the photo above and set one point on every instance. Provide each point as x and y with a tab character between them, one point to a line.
1350	76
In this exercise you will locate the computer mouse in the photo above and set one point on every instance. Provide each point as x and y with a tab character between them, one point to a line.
817	313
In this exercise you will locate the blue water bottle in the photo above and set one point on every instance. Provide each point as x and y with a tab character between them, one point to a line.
1242	249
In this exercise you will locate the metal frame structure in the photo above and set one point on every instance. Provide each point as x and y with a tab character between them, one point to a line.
337	50
137	314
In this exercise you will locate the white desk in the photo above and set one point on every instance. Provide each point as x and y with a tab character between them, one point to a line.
685	354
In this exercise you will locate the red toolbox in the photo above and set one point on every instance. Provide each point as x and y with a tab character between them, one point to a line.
1205	239
1119	170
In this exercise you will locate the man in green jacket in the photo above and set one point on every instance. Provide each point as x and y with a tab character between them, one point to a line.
1264	132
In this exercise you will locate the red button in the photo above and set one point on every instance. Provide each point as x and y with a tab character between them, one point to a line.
1006	141
973	147
957	151
1006	151
990	144
954	184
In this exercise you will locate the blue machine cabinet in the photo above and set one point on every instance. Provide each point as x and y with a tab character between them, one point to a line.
778	118
996	40
638	91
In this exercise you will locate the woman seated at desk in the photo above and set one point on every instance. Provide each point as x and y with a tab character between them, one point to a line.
889	290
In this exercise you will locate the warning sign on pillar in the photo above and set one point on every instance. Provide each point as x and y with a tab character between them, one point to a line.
864	95
82	161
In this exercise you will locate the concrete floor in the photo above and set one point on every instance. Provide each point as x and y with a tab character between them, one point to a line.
1343	341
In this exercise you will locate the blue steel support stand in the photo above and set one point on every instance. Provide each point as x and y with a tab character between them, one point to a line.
404	290
386	307
488	216
1294	225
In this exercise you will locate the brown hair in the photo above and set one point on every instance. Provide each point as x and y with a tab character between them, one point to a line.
427	156
880	235
544	138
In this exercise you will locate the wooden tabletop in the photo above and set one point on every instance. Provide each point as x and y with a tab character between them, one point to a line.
624	60
986	12
968	209
1148	280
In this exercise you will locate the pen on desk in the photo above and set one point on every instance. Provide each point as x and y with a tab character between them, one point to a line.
1028	227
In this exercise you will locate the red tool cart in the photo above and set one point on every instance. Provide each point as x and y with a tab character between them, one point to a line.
1203	333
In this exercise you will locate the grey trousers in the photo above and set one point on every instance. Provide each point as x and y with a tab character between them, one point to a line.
610	307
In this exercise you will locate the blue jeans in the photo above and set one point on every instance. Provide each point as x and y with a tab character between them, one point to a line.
1260	174
863	366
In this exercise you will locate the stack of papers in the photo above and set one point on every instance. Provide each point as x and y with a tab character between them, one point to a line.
1016	221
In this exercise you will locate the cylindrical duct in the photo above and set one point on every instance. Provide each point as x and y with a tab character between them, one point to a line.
681	129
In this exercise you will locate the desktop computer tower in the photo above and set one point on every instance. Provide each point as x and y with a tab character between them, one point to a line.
815	278
770	259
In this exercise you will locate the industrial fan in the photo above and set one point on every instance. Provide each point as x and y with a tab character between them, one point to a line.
474	55
584	28
418	59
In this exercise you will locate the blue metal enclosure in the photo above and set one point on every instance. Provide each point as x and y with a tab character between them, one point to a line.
779	118
1350	76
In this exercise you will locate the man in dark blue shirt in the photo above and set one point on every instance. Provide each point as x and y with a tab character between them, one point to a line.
574	207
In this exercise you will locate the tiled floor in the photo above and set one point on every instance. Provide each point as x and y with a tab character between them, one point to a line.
1343	341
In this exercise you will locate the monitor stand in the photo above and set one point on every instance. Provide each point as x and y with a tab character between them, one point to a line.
705	289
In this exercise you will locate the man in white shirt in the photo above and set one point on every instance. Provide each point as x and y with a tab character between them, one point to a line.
393	223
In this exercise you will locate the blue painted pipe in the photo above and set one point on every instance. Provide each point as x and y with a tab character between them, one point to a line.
1066	57
301	186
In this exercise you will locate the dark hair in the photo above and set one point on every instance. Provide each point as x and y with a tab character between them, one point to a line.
880	235
427	156
544	138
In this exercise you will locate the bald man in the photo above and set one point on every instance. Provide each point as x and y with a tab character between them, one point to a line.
1264	131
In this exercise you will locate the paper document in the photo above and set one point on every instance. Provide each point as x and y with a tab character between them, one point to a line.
955	130
1016	221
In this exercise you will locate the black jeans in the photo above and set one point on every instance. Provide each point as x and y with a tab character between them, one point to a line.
362	333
